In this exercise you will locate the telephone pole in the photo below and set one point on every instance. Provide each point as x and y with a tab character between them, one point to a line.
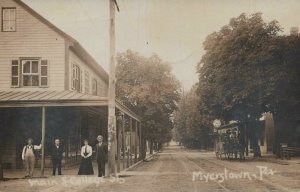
111	91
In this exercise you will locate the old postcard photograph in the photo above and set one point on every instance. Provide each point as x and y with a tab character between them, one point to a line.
149	95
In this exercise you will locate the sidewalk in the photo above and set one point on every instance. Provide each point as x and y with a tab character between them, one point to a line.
271	158
67	170
69	181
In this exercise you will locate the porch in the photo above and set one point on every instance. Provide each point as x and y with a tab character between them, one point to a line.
69	116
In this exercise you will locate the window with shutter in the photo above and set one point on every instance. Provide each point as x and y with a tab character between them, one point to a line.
87	82
76	78
15	73
73	76
81	80
98	89
94	87
44	73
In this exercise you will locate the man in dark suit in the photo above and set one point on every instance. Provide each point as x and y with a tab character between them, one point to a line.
101	153
57	155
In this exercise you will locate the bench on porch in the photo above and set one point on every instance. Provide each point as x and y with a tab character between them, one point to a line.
287	151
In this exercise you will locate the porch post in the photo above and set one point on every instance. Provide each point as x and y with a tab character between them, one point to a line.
43	141
123	140
119	125
140	142
136	142
130	127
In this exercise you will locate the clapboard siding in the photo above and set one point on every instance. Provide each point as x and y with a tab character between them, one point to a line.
102	86
32	38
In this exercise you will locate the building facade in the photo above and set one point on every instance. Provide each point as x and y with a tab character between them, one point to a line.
50	87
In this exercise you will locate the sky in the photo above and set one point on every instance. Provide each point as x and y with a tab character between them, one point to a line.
173	29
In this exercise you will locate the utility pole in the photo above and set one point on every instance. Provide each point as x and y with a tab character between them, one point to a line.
111	91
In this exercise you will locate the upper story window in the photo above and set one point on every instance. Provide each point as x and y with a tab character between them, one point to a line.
9	19
87	82
76	78
94	87
29	73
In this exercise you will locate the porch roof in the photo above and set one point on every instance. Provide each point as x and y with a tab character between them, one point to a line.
56	98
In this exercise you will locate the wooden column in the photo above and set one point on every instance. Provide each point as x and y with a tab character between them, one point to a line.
130	144
66	126
127	149
140	142
135	141
43	140
119	140
123	140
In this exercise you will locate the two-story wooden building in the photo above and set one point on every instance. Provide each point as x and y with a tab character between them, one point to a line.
48	80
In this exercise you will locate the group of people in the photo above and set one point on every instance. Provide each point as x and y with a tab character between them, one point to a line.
57	150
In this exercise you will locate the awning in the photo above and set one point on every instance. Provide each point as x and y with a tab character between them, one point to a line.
56	98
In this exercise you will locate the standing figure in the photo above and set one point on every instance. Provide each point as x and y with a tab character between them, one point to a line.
28	156
86	167
57	155
101	153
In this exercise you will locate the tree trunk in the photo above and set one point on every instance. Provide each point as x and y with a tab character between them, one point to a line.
1	169
144	148
151	147
159	146
254	140
276	147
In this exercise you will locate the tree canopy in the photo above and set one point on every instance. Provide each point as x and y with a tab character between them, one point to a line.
149	88
249	68
232	71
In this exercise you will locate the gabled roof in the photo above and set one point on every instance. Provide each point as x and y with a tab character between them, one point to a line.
75	45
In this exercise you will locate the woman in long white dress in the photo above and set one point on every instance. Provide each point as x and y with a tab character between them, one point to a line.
86	167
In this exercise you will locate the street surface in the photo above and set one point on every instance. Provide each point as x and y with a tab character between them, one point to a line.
177	169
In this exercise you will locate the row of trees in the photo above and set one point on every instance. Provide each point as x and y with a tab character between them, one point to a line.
149	88
249	68
192	129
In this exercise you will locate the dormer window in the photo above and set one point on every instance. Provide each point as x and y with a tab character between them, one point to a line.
8	19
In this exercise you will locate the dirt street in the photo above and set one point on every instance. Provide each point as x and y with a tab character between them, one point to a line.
177	169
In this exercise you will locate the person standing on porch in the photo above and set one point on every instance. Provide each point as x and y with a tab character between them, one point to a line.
86	167
57	155
28	156
101	153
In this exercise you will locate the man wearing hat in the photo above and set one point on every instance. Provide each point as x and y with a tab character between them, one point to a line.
101	153
28	155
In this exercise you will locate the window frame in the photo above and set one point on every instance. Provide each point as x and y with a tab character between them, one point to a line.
2	18
76	76
94	91
30	74
87	82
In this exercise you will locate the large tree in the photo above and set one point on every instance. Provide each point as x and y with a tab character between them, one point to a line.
149	88
232	71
